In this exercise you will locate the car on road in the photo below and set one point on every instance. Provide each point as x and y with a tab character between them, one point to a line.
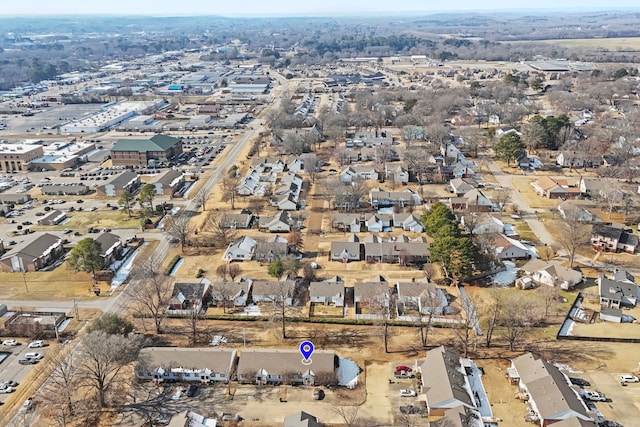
26	361
36	356
594	396
36	344
625	378
407	393
192	390
579	381
11	343
403	368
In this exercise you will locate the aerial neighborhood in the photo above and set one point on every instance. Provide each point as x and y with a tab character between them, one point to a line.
211	221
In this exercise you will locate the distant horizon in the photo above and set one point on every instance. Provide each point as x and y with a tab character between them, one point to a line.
283	9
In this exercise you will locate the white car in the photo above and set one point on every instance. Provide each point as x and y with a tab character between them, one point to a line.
595	396
36	344
11	343
36	356
629	379
7	389
407	393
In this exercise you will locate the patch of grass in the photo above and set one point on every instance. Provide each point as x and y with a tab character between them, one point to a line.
524	231
81	221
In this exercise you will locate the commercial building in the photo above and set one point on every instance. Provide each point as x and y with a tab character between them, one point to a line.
139	152
15	157
111	115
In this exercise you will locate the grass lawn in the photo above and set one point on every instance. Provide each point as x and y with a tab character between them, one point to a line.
327	310
98	219
525	233
57	285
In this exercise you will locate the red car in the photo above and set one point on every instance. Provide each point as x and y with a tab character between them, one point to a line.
403	368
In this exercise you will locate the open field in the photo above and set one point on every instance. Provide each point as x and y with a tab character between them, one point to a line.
62	283
625	43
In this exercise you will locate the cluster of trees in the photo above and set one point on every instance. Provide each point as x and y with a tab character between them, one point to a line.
455	252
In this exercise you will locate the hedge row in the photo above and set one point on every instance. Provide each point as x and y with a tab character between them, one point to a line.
172	263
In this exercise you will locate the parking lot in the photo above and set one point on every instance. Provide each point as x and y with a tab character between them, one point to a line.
623	403
11	370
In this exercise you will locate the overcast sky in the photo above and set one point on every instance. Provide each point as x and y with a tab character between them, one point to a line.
284	7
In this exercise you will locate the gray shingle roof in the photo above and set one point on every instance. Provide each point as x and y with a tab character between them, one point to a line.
34	247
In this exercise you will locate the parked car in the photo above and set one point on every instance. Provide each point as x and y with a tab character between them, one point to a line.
407	393
594	396
579	381
11	343
28	361
6	389
26	405
13	384
36	344
403	368
36	356
192	390
625	378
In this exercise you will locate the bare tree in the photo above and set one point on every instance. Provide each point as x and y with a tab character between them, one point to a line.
151	295
222	270
550	294
179	228
492	310
574	233
518	316
326	189
430	302
295	241
104	357
464	330
230	189
224	292
234	271
282	298
192	319
201	198
221	235
57	395
311	165
501	197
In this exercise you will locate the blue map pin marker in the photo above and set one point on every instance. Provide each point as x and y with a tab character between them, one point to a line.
306	349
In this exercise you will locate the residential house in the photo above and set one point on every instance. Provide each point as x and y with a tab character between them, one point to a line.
473	200
271	367
452	389
573	159
126	181
249	183
279	223
551	396
482	223
385	199
301	419
378	222
168	182
363	172
408	222
372	299
347	222
397	173
397	249
619	292
190	297
422	296
241	249
613	238
112	248
592	186
506	248
224	292
285	202
328	292
64	189
461	186
351	250
551	273
274	164
236	221
272	291
271	248
54	217
202	365
555	188
36	252
569	210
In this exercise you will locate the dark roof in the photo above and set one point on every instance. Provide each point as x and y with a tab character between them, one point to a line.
157	142
34	247
107	240
121	180
191	291
607	231
301	419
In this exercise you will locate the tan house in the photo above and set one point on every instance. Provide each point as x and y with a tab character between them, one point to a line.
271	367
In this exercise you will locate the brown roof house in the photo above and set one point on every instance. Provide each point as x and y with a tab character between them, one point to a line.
552	398
264	366
555	188
35	253
203	365
189	297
